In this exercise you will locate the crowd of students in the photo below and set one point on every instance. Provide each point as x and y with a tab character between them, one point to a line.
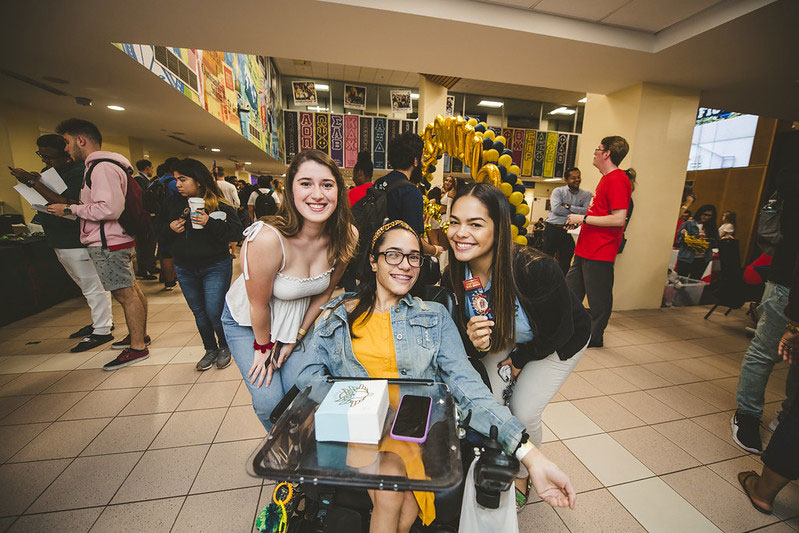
301	236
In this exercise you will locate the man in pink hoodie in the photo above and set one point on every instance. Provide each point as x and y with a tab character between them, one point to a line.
102	201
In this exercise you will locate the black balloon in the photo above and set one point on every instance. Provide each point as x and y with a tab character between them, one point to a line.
518	219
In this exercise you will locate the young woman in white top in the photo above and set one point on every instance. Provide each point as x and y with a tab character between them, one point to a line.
291	263
727	228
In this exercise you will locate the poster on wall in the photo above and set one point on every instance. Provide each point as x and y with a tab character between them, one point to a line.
354	97
292	134
350	140
379	136
401	101
450	109
337	139
304	92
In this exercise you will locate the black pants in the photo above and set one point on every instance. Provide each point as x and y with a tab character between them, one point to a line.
594	279
145	254
558	244
693	270
780	455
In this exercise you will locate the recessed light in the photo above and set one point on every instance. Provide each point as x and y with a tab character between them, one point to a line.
115	108
248	162
562	111
321	87
414	96
552	179
490	103
583	100
316	108
216	149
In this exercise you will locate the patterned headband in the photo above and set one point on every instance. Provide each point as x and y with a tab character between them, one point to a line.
391	225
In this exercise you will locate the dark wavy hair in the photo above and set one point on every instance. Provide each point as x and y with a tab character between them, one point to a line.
404	150
208	188
366	294
710	227
502	297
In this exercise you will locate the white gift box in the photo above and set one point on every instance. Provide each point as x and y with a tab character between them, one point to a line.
353	411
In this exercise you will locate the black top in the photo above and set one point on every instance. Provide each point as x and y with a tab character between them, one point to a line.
404	203
785	256
62	232
198	247
559	321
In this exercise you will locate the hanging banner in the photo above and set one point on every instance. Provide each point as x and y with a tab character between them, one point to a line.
571	152
538	155
517	146
549	155
365	134
457	165
529	151
446	162
379	136
560	155
407	125
393	129
322	132
350	141
291	133
508	134
337	139
306	131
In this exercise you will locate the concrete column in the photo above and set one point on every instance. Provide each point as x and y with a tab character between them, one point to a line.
432	102
657	122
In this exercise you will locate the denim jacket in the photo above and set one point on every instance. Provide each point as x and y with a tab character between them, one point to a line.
427	345
686	254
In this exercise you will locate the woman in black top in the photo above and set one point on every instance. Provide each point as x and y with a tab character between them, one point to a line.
539	330
202	256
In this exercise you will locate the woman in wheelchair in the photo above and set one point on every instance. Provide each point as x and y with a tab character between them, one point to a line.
382	331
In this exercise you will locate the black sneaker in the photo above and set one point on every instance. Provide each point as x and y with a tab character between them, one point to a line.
127	357
146	277
746	432
208	360
223	360
85	331
125	343
91	341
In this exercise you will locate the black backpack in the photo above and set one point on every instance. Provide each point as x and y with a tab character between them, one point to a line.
265	204
155	194
134	219
769	231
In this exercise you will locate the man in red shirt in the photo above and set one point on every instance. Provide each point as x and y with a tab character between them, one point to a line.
601	235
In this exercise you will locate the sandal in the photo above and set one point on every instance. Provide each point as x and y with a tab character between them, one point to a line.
522	497
742	477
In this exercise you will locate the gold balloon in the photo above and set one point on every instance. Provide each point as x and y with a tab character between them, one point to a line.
514	169
515	198
523	209
506	189
489	134
505	160
472	122
429	177
520	239
514	231
501	138
483	124
490	174
526	223
490	156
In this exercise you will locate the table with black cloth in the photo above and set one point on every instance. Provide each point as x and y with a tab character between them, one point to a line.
31	279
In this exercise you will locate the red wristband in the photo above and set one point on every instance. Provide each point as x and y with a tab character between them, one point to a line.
262	347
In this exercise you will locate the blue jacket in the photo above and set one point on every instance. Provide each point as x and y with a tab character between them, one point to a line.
427	345
686	254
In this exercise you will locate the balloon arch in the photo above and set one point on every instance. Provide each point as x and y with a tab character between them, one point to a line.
485	154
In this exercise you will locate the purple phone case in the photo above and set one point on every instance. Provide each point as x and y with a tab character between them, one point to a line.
426	424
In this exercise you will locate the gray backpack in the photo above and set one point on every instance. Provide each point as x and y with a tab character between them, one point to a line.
769	234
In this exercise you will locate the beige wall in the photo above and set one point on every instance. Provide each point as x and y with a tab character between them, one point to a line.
432	102
658	123
19	129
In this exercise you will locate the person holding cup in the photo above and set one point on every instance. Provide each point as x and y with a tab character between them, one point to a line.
198	225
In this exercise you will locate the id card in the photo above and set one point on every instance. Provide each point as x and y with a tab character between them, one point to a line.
477	298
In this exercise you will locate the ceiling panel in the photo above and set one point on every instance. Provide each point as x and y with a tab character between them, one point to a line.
593	10
656	15
524	4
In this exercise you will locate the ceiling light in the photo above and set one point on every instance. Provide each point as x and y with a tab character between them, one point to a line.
562	111
321	87
216	150
248	162
414	96
116	108
583	100
553	179
490	103
316	108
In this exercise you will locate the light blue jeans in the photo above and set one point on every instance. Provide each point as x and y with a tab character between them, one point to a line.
264	399
762	352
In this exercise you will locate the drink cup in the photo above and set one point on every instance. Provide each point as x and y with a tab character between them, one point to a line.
196	205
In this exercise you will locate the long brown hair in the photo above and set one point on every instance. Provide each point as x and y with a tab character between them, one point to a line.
199	172
338	227
502	297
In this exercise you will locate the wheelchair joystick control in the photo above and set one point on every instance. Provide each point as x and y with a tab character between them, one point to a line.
493	472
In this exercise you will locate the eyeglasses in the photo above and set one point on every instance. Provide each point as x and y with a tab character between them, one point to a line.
394	258
600	149
49	157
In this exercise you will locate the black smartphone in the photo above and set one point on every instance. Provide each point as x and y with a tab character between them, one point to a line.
412	419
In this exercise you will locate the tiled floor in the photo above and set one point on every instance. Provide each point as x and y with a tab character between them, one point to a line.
642	427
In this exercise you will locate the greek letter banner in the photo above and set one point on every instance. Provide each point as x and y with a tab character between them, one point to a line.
549	156
379	135
322	132
540	150
571	152
350	140
393	129
365	135
292	134
306	132
337	139
560	154
517	146
407	125
529	151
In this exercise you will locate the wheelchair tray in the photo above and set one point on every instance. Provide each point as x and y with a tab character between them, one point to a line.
291	453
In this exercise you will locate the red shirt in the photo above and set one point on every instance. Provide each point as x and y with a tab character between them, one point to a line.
602	243
357	193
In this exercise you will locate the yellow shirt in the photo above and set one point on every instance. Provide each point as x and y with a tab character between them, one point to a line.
373	346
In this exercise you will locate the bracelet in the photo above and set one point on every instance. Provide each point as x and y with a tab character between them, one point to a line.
302	332
483	349
585	219
262	347
793	329
523	449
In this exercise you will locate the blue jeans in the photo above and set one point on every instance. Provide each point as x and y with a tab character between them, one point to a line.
204	289
762	352
264	399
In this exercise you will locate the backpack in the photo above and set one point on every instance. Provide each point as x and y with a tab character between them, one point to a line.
134	219
154	195
769	233
265	204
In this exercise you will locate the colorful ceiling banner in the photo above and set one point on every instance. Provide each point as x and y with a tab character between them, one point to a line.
379	136
508	134
571	152
560	154
517	146
337	139
322	131
529	150
365	134
306	131
292	133
549	156
540	150
350	140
